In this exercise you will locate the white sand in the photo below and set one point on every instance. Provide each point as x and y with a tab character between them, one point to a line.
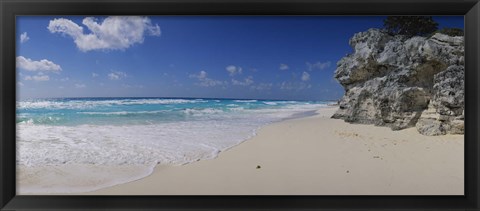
321	156
67	179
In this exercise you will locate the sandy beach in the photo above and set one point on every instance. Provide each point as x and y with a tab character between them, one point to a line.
321	156
311	155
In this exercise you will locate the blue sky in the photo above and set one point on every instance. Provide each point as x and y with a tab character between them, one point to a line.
254	57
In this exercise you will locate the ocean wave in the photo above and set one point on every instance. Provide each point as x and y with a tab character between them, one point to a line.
236	109
83	104
204	111
285	102
270	103
39	120
25	121
245	101
122	112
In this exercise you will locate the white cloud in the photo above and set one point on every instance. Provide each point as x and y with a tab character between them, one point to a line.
132	86
283	67
117	75
262	86
94	75
305	76
211	82
79	86
20	83
294	86
65	79
317	65
246	82
113	33
42	65
205	81
24	37
37	78
233	70
201	75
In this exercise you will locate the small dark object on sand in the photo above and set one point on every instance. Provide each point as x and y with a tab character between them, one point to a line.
258	167
348	171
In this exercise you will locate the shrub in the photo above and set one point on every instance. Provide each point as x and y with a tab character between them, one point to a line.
410	25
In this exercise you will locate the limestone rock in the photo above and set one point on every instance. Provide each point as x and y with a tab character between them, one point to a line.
397	82
448	103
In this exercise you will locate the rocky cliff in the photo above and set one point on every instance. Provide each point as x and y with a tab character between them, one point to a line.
400	83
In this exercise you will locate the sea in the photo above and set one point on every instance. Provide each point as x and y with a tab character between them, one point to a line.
142	131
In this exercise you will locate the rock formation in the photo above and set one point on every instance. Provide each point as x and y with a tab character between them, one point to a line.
400	83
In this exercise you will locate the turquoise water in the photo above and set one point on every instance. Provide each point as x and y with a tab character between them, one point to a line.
122	111
141	131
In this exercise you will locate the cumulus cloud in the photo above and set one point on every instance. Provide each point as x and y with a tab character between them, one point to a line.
295	86
305	76
317	65
233	70
94	75
246	82
283	67
20	83
201	75
117	75
113	33
79	86
37	78
42	65
203	80
24	37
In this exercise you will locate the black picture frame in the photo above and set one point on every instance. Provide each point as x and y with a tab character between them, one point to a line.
9	9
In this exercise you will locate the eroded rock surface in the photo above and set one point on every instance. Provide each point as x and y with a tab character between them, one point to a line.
397	82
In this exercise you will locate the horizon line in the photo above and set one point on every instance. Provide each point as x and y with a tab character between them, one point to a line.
207	98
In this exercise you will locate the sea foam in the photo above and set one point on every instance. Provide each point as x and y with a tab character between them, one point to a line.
139	137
